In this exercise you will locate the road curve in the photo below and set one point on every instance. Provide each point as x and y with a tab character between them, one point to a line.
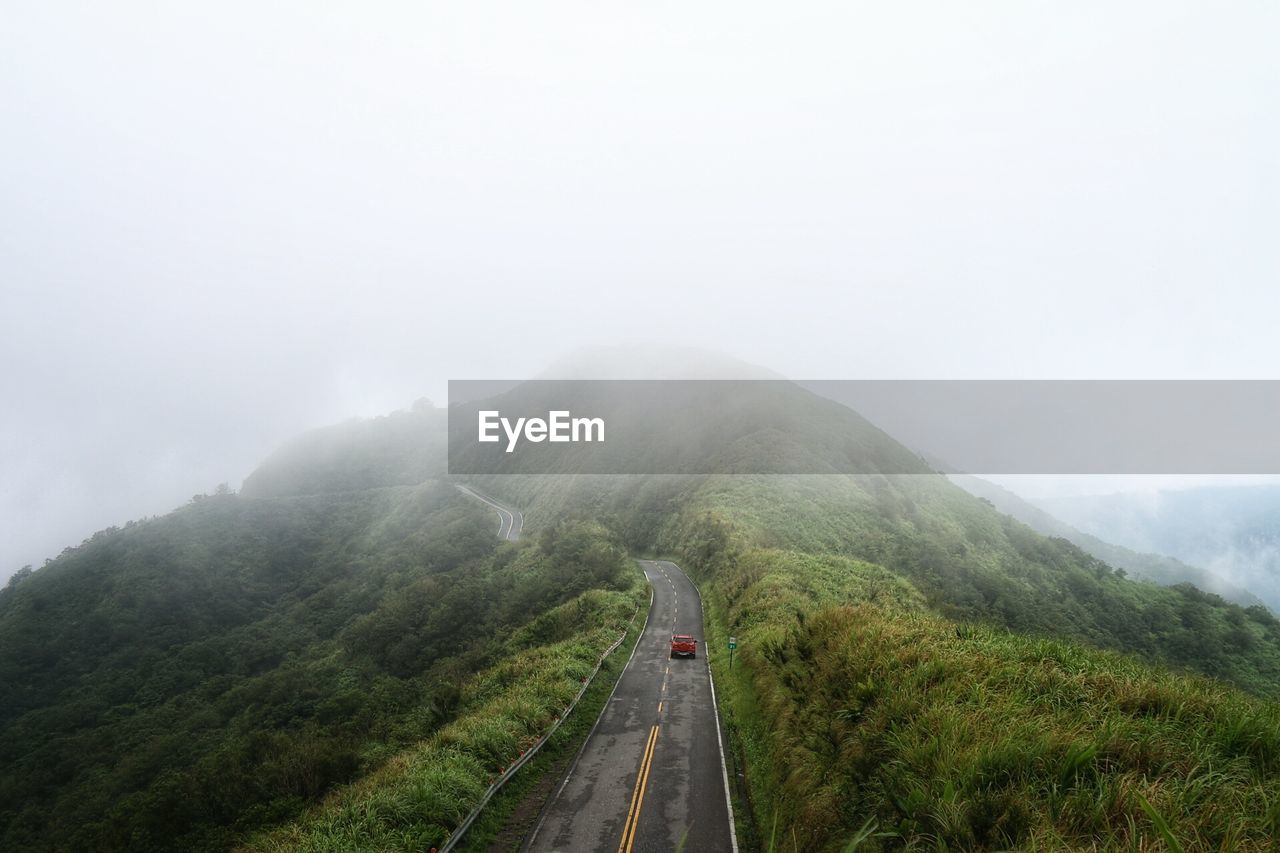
511	521
650	776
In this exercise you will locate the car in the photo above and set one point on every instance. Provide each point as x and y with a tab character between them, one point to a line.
684	645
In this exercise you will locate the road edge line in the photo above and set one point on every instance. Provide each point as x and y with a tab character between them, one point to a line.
503	513
724	768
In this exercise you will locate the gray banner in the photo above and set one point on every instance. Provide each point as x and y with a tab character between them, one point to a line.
863	427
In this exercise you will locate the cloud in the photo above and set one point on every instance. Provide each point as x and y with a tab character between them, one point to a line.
221	226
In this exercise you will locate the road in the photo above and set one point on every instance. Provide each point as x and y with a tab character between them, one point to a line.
650	776
511	521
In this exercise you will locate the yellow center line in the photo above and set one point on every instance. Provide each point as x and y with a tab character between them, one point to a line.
643	785
644	760
637	796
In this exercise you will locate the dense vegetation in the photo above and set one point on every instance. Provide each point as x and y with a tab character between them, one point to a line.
416	800
1236	530
186	680
974	564
1156	568
864	715
342	657
920	670
970	562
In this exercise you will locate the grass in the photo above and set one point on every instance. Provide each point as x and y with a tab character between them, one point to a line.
418	797
565	741
973	564
868	722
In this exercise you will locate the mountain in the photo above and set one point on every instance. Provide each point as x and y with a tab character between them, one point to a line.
399	449
970	561
185	682
1233	531
1156	568
916	669
341	656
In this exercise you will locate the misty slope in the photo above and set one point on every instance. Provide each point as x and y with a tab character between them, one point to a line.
402	448
1233	531
861	715
969	560
228	668
185	681
880	696
1165	571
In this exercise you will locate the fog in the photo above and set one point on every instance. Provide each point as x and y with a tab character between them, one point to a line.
221	225
1230	526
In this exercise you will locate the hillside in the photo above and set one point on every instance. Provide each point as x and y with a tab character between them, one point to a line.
860	715
282	668
928	694
1232	530
970	561
400	449
1156	568
185	681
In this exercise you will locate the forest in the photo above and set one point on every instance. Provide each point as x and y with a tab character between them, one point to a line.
184	681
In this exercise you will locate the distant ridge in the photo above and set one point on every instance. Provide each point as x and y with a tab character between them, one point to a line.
1157	568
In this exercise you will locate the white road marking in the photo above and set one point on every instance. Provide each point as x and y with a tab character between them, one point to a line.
506	519
724	769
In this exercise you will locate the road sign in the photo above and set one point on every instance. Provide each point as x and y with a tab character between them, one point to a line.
733	642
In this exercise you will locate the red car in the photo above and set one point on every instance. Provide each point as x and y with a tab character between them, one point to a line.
683	644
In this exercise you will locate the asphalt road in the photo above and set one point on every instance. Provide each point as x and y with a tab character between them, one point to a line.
650	775
511	521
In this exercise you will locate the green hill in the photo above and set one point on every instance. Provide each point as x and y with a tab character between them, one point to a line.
862	715
971	562
185	681
917	670
403	448
340	656
1156	568
1233	530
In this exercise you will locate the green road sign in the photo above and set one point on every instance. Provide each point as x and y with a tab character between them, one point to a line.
733	642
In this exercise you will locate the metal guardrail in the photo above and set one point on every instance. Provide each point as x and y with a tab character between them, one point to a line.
456	836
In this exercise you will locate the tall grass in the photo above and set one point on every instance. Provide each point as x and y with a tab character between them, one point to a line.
420	796
868	720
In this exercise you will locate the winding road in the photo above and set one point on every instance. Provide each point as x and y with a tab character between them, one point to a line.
511	521
651	775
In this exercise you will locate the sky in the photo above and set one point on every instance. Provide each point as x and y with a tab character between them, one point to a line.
221	224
